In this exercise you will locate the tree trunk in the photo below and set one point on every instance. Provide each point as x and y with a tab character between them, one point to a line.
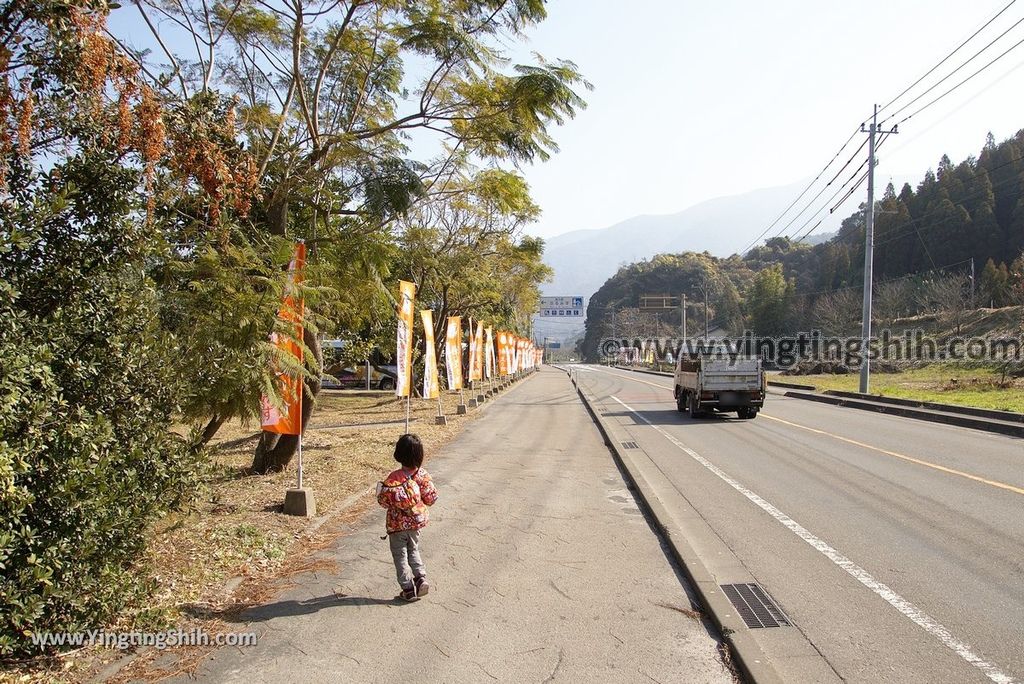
274	452
210	430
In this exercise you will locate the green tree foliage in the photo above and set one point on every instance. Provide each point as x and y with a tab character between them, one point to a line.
464	250
326	100
87	391
771	298
672	275
995	284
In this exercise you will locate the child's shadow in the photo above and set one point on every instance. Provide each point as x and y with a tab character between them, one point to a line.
269	611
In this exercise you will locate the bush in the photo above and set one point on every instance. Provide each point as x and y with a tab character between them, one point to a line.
87	457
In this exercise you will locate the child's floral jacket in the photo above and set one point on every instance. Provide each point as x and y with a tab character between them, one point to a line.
406	495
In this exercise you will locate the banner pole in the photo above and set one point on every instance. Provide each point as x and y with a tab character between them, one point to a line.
301	400
408	405
300	458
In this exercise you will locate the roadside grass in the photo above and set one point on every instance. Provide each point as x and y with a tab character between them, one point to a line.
237	529
980	387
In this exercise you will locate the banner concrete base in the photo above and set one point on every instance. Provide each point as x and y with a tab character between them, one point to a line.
461	409
300	502
441	420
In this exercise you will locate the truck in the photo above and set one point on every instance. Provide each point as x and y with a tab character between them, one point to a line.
709	381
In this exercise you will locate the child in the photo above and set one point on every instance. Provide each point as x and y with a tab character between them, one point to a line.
406	493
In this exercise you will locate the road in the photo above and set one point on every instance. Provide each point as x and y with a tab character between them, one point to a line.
896	546
543	569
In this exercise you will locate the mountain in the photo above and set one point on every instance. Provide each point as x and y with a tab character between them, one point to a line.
584	259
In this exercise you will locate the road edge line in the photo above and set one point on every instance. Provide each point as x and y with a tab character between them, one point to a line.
751	660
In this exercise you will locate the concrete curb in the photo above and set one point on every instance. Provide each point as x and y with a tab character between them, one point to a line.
959	420
992	414
792	385
645	371
749	657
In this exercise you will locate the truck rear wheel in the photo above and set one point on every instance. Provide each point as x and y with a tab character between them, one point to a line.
695	412
681	402
747	412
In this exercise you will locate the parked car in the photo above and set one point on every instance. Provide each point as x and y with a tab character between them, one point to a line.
354	377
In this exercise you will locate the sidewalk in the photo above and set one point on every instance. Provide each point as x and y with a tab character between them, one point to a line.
542	567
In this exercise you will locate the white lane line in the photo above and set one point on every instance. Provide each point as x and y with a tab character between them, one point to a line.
908	609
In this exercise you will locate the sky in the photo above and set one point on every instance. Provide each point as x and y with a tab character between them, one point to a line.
696	100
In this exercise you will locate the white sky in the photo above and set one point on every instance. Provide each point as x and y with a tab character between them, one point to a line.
695	100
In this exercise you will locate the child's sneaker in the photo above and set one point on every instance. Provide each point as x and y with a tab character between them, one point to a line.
422	586
409	595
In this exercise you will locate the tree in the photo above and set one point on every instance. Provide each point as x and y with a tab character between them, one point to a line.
837	313
769	301
947	295
995	284
464	250
89	382
892	300
321	102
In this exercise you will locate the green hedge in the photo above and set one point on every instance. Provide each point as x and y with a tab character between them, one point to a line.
87	458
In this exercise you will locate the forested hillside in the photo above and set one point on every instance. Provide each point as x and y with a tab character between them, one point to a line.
927	240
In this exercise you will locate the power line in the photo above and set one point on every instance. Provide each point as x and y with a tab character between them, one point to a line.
962	65
946	58
859	182
1008	51
961	200
820	193
804	192
888	104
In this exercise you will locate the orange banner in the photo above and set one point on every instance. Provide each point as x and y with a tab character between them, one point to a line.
406	300
478	353
473	368
430	388
453	352
287	420
489	354
502	353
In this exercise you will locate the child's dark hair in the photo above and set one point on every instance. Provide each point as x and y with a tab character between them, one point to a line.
409	451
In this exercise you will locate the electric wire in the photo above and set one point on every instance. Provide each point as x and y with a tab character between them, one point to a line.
947	57
805	190
1008	51
947	76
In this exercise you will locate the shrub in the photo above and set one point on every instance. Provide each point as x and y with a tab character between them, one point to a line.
87	457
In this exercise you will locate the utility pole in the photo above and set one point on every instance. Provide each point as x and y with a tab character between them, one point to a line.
869	248
705	309
682	304
972	282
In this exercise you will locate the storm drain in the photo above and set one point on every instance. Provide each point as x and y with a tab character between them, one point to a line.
630	445
755	606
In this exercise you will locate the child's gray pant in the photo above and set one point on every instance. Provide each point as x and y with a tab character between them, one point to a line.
405	549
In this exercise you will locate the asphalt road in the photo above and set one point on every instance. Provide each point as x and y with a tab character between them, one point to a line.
542	565
896	546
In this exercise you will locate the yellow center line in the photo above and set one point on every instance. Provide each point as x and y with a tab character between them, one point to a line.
896	454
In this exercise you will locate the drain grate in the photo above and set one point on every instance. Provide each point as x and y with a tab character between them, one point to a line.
755	606
630	445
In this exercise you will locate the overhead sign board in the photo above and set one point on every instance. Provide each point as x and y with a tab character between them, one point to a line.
561	307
